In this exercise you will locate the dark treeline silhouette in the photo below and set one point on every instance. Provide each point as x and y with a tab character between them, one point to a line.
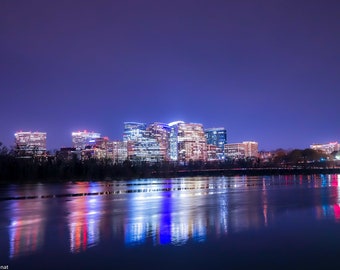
50	168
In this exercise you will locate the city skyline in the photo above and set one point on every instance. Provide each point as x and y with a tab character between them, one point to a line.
80	138
98	133
75	137
267	71
154	142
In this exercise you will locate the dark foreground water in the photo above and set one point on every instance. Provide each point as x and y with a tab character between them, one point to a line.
270	222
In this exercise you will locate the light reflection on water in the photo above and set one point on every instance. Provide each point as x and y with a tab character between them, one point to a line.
26	229
157	211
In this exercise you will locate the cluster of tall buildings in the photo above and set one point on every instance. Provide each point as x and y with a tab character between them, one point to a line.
141	142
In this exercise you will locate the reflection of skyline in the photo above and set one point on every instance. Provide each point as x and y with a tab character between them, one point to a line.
178	217
84	220
163	223
26	231
166	212
330	203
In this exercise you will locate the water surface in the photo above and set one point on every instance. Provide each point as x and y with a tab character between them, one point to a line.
237	222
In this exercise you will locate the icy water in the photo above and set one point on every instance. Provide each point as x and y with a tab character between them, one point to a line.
265	222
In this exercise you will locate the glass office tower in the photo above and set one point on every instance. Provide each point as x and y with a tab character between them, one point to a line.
161	132
141	145
173	140
217	137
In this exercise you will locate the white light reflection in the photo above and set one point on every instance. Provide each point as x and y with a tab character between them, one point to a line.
84	220
181	213
265	202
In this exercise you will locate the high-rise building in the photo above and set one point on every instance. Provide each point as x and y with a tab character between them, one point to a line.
81	139
192	144
161	132
30	143
133	131
141	146
173	139
217	137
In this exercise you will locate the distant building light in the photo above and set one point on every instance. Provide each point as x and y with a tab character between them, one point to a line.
175	123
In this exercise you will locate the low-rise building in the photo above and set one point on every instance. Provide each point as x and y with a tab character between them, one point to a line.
326	148
246	149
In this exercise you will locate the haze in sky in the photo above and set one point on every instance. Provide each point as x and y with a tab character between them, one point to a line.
267	71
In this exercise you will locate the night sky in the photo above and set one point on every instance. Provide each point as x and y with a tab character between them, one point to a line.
267	71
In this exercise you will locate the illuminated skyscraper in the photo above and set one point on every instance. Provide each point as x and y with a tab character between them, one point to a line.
30	143
192	144
141	145
161	132
173	140
217	137
133	131
81	139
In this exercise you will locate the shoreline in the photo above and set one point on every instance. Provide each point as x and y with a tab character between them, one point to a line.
179	174
260	171
184	173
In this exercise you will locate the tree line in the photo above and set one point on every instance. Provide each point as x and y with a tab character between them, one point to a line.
51	168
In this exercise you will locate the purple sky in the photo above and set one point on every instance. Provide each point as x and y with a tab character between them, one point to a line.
265	70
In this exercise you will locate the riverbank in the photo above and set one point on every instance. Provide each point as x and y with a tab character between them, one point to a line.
183	172
257	171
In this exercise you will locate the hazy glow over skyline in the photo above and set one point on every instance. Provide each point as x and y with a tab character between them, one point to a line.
265	70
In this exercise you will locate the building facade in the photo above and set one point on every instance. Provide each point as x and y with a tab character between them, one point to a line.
192	144
218	138
96	148
161	133
141	145
133	131
251	149
173	140
212	151
82	139
246	149
29	143
117	151
234	150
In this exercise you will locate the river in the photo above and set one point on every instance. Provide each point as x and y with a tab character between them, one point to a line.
239	222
